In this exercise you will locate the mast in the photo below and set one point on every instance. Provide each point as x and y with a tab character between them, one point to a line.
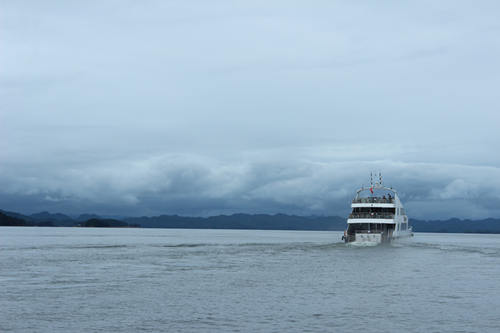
371	184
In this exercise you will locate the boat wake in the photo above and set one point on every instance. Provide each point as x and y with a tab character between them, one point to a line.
488	251
362	244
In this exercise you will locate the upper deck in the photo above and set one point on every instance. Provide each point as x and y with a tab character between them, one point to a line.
376	205
373	202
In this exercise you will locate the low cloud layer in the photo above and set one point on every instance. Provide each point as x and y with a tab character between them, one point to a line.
201	186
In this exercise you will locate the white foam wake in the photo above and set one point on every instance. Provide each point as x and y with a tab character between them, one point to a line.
363	243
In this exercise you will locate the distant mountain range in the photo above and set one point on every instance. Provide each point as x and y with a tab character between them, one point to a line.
46	219
236	221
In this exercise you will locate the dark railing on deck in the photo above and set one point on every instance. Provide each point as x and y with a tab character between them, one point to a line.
372	215
373	200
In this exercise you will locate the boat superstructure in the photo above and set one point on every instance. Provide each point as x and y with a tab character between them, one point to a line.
377	216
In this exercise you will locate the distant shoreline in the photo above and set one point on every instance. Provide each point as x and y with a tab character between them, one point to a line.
188	228
238	222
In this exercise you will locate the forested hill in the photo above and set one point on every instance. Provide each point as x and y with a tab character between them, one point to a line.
237	221
45	219
456	225
243	221
292	222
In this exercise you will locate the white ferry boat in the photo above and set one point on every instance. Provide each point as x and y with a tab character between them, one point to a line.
377	216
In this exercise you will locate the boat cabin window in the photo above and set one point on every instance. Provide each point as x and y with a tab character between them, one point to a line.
382	199
369	228
373	210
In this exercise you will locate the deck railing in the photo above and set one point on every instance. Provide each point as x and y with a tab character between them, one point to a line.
372	215
373	200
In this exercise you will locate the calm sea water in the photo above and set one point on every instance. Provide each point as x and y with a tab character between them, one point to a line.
131	280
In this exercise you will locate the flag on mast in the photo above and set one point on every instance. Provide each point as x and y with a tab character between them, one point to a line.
371	182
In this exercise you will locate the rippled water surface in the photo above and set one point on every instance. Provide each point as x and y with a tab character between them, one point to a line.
130	280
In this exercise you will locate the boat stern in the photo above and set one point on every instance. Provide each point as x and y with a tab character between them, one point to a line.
368	237
365	239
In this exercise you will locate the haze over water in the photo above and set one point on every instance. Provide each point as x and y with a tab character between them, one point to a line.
128	280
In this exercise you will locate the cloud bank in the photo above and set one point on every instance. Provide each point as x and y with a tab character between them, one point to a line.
202	186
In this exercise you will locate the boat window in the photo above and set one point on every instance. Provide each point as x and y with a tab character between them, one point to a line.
383	199
373	212
373	209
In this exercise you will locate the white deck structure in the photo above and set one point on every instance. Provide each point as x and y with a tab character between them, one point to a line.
376	218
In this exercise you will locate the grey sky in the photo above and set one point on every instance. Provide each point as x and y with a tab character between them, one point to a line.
207	107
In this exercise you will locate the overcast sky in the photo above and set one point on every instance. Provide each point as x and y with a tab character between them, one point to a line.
208	107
